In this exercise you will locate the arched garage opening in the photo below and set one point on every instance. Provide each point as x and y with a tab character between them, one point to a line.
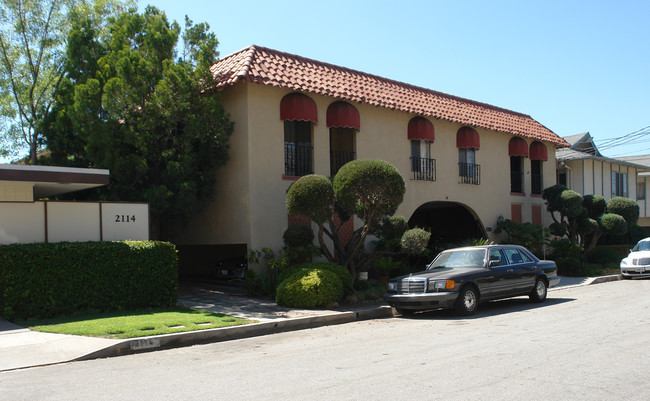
450	223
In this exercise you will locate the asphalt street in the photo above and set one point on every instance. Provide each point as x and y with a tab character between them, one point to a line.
584	343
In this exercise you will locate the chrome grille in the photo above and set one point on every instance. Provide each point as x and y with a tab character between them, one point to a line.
412	285
641	261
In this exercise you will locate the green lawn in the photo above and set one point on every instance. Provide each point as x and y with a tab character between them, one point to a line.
138	323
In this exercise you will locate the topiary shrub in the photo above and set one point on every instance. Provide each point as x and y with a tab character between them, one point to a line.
341	272
311	196
415	241
625	207
309	288
394	227
298	235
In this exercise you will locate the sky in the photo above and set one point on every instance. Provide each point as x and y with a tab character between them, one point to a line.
574	66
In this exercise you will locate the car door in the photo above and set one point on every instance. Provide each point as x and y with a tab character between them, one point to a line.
498	280
522	268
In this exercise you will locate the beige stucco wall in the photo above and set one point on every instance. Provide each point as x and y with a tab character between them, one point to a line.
16	191
249	205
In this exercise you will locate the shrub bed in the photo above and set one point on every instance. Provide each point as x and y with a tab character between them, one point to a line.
50	279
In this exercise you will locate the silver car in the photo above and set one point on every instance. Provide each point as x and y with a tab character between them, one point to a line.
637	263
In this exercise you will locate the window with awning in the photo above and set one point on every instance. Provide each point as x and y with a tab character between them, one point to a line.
467	137
518	147
538	151
421	128
299	113
298	107
343	115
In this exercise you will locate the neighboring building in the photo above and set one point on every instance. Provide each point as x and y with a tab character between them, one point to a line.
465	163
26	217
582	168
642	187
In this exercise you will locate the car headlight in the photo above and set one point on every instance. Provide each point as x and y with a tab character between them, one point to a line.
392	286
437	285
624	262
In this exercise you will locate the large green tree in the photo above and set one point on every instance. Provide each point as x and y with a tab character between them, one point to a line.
130	104
33	36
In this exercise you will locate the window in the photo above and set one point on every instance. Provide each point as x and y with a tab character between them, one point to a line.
422	165
536	179
468	170
343	121
563	177
516	174
297	148
640	190
619	184
341	148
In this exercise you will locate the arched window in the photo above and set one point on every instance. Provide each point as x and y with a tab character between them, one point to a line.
468	142
343	120
422	134
299	113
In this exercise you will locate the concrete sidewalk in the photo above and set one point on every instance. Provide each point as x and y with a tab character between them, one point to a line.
22	348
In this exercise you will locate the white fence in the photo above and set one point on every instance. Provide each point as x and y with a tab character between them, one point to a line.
55	221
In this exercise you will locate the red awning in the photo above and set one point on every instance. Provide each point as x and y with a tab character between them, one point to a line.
343	115
467	137
538	151
296	106
421	128
517	147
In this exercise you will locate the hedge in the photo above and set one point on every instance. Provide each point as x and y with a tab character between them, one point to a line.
49	279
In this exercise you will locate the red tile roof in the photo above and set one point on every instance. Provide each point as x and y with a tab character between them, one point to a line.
271	67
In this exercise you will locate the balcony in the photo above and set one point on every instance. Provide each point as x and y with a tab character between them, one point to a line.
338	158
469	173
297	160
423	169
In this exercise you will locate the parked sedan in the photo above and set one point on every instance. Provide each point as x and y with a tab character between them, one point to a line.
637	263
462	278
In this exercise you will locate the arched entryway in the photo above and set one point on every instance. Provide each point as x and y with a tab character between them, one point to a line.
451	224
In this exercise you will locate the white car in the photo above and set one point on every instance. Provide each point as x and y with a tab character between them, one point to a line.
637	263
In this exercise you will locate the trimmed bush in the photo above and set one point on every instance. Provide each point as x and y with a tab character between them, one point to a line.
341	272
50	279
625	207
311	196
309	288
298	235
394	227
415	241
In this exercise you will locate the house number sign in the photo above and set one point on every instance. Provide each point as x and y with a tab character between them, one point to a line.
125	218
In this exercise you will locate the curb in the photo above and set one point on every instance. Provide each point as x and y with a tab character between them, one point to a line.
605	279
177	340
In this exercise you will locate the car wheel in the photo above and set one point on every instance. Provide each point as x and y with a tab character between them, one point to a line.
467	301
539	291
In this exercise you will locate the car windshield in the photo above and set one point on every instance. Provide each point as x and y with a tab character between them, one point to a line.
459	258
642	246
